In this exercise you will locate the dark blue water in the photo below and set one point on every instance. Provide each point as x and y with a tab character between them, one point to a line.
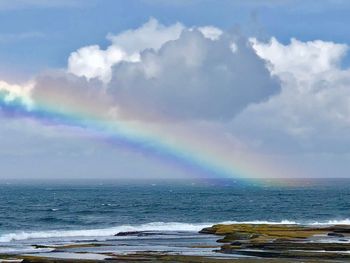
38	207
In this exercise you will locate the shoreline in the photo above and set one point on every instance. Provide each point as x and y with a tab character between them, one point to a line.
246	243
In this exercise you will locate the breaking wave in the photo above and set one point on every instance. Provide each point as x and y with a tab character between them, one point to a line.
155	226
103	232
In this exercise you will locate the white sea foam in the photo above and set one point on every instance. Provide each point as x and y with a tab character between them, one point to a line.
155	226
104	232
333	222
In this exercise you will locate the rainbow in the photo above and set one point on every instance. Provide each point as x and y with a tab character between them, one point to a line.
189	149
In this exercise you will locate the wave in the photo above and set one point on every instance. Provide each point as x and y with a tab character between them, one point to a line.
333	222
103	232
154	226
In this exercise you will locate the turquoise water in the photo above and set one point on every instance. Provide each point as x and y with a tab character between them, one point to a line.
64	212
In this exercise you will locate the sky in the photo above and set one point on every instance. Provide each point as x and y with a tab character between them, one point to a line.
174	89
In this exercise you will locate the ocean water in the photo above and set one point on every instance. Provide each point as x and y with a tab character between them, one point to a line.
62	212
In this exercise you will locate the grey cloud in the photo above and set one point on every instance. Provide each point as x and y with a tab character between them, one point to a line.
67	92
193	77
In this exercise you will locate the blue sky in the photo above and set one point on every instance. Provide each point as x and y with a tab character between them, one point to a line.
37	35
224	72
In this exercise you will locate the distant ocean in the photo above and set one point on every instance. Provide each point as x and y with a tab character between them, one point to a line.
45	213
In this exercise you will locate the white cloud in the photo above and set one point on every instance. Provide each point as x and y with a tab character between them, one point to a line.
312	113
150	35
301	59
94	62
210	32
12	92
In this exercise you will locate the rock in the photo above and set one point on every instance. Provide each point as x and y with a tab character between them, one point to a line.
340	229
138	233
265	231
237	236
334	234
128	233
282	241
207	230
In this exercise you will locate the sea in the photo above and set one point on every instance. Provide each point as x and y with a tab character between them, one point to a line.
169	213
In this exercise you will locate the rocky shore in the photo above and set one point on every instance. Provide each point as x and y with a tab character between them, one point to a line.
155	258
239	243
284	241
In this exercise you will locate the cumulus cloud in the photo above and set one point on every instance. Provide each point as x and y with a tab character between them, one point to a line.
152	35
94	62
312	112
177	72
278	97
301	60
193	77
196	77
173	72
